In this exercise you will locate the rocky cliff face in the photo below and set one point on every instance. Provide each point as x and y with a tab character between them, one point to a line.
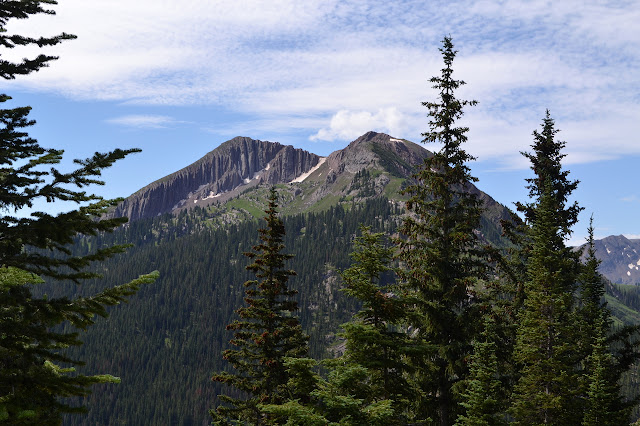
374	165
620	258
377	150
233	166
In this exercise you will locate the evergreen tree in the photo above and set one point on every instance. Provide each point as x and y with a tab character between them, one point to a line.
344	398
546	348
34	245
546	163
482	398
440	255
266	332
591	308
546	160
31	377
373	339
603	403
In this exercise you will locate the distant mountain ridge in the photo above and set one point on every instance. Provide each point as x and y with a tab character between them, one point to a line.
239	162
373	165
620	257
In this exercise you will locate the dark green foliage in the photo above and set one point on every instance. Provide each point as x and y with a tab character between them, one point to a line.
22	9
483	399
603	405
24	179
546	163
373	339
367	384
265	334
343	399
31	381
602	373
440	259
545	348
156	346
35	372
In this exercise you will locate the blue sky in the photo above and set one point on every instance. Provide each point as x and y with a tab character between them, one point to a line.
177	78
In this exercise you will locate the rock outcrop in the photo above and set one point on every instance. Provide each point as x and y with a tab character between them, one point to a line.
620	257
236	164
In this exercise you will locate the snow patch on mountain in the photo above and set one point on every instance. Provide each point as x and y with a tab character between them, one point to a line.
303	176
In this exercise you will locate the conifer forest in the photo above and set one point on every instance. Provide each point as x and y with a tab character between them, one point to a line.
371	312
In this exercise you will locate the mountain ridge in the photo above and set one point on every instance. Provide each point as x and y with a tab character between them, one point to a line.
242	163
234	163
620	258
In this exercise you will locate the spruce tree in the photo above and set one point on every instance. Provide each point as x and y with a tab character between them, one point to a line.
546	164
344	398
546	348
591	309
483	399
603	403
441	262
34	370
266	333
373	339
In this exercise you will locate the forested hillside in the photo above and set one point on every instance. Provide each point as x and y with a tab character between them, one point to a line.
165	346
383	289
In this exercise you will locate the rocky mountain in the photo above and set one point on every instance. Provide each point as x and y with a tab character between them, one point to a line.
232	167
166	343
374	165
620	258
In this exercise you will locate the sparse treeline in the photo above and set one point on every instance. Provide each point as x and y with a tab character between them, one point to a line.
452	331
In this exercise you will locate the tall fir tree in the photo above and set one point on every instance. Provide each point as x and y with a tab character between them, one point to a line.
545	348
32	375
265	335
602	403
483	397
441	261
373	339
591	307
546	163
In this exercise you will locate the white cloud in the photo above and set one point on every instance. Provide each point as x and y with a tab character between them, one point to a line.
144	121
340	68
348	125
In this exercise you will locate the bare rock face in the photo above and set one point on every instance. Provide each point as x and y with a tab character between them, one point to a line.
235	164
620	259
378	150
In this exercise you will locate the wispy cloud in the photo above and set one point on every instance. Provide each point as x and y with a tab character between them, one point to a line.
355	66
631	199
144	121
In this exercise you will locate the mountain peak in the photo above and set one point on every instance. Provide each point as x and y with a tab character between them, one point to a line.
233	166
620	257
397	156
